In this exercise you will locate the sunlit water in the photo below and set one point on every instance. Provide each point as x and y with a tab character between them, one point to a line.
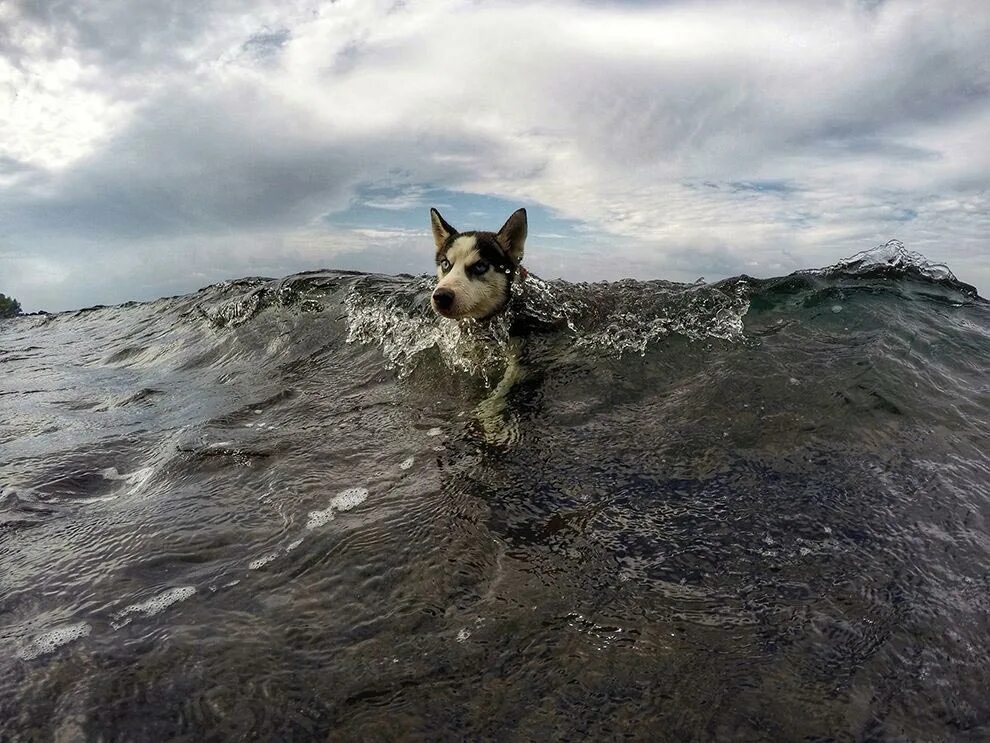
278	510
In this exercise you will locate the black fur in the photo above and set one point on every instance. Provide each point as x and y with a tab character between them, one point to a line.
487	245
501	250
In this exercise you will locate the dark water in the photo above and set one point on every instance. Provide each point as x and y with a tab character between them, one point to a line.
303	508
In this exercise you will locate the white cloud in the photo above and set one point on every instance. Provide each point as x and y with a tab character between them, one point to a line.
706	138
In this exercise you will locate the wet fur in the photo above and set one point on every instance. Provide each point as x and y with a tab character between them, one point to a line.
477	295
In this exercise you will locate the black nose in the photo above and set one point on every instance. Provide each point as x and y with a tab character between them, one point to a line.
443	298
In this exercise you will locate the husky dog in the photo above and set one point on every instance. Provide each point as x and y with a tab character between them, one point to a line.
476	270
475	274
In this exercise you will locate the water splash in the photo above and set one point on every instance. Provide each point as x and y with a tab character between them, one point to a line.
405	328
247	301
242	300
605	317
638	319
892	257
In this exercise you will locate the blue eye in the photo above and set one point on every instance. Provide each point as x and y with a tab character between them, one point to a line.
479	268
445	265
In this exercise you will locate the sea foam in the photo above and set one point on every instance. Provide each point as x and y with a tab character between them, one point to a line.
52	641
345	500
154	605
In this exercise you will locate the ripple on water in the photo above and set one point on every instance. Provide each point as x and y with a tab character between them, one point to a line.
137	479
741	524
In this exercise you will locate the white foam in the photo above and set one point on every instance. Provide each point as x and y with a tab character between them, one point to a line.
154	605
348	499
52	641
345	500
463	635
406	463
262	561
319	518
434	432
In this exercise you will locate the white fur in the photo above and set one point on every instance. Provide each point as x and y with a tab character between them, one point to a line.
475	297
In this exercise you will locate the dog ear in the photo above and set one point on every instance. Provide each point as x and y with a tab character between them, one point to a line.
441	230
513	234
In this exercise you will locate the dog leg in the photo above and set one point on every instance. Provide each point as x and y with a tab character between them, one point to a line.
499	425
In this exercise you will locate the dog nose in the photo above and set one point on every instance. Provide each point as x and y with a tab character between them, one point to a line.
443	298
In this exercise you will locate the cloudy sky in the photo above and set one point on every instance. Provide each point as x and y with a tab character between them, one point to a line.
153	147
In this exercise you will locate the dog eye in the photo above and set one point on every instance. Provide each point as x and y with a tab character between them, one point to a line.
445	265
479	268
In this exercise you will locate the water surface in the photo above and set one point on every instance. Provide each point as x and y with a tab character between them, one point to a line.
296	508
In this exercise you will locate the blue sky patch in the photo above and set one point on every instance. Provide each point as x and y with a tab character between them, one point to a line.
407	208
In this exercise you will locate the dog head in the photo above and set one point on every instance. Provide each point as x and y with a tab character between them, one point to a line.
475	270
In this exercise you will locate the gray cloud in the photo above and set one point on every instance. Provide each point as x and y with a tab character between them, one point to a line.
127	37
704	139
191	165
13	166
